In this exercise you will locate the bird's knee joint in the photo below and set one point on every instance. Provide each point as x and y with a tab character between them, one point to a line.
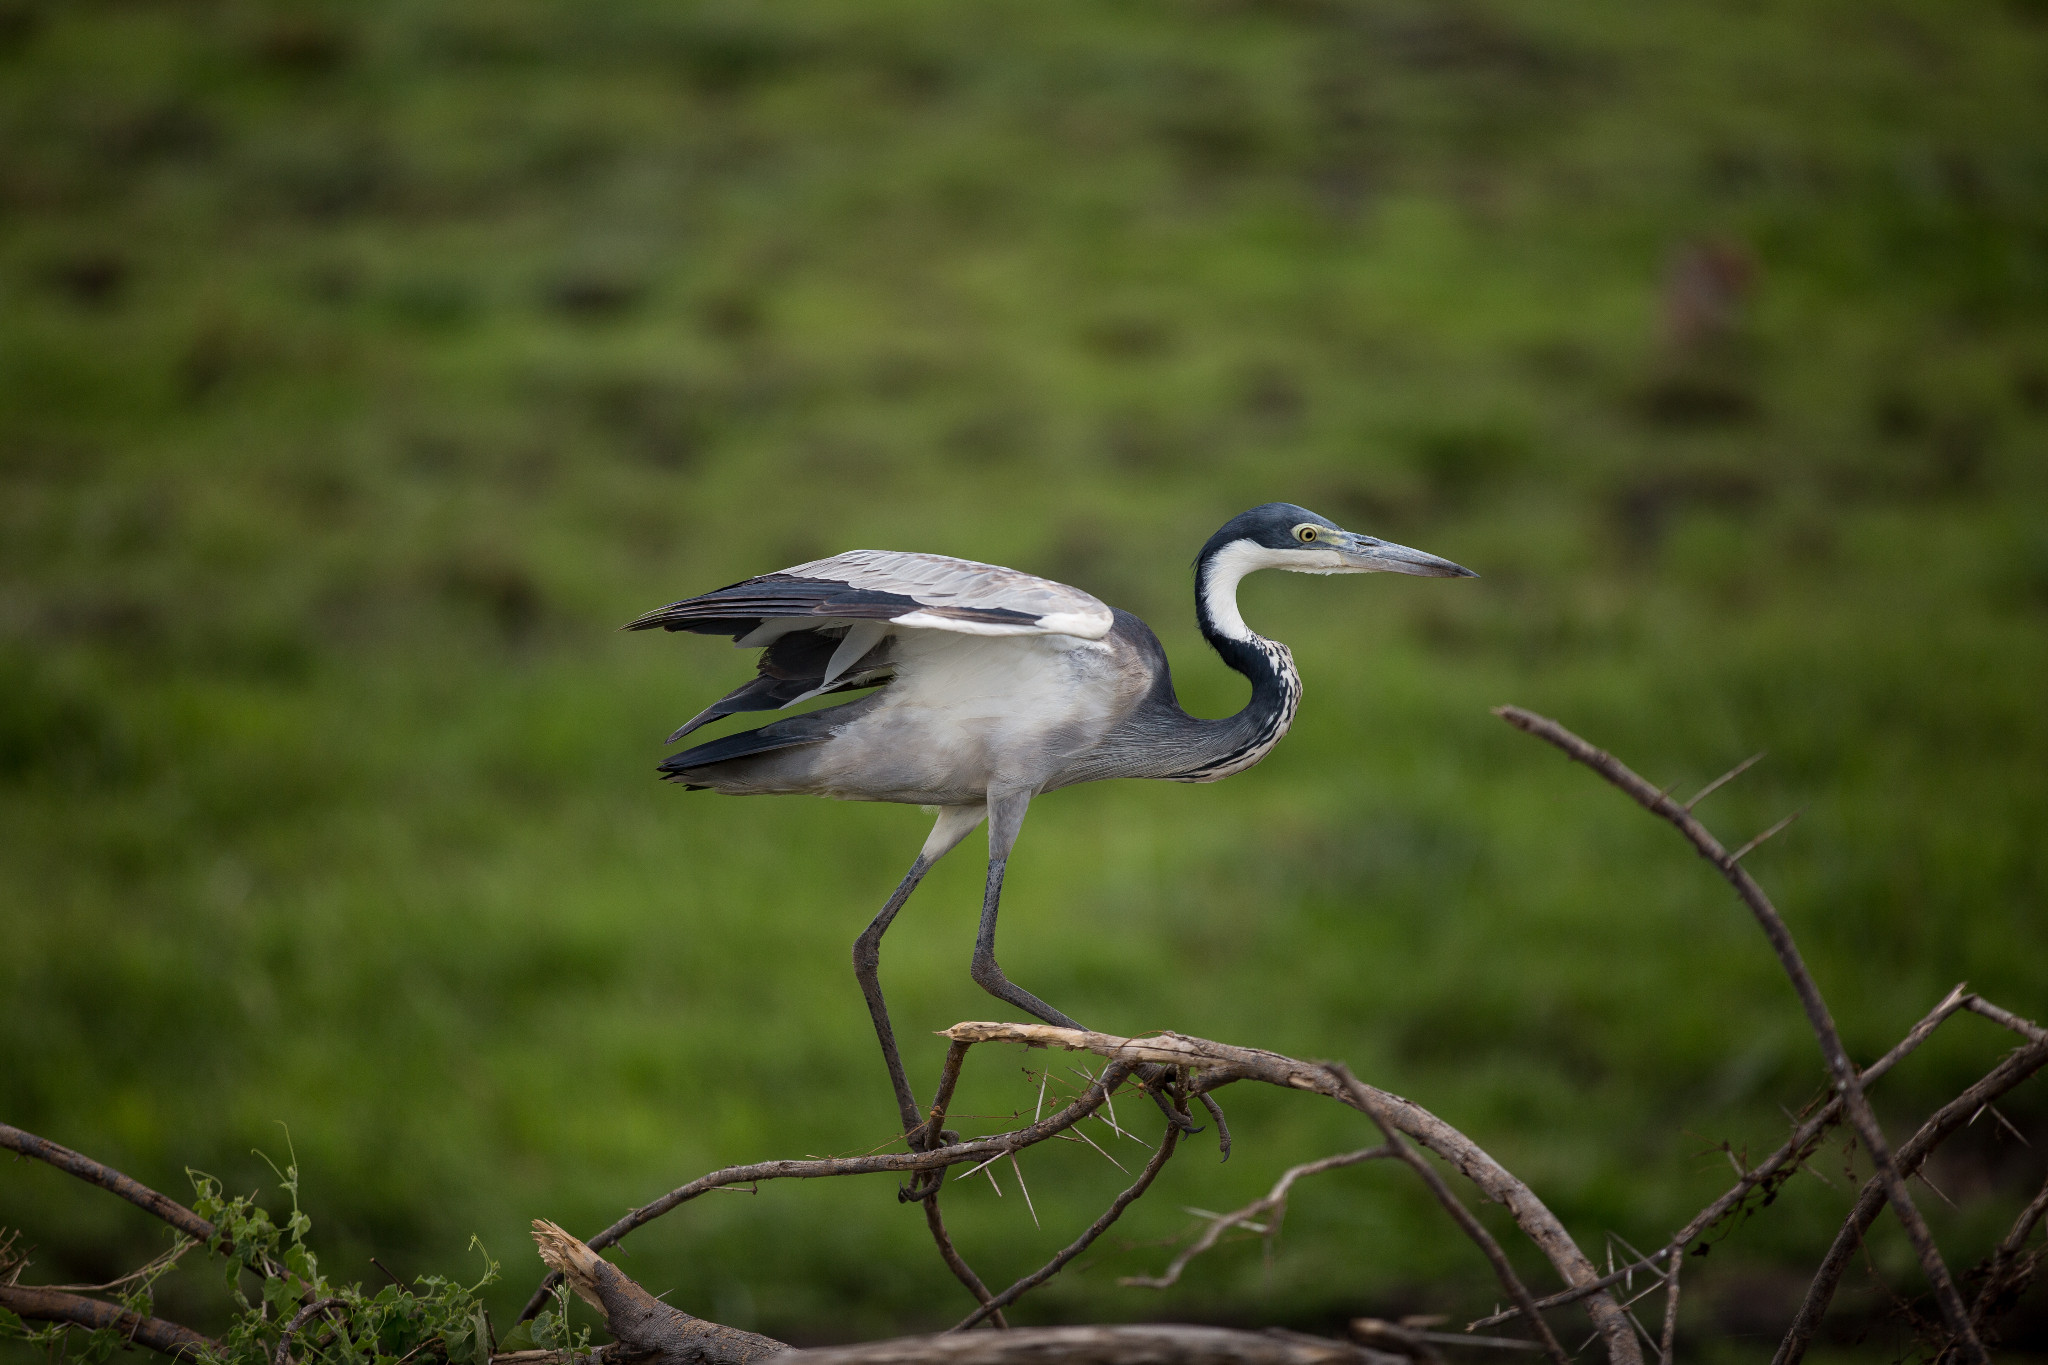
987	974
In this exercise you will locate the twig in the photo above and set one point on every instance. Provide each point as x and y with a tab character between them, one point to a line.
1219	1064
155	1266
49	1305
1670	1337
1460	1215
1998	1270
1081	1243
949	1077
955	1262
1274	1203
1977	1004
2016	1068
283	1354
111	1180
1791	1154
1840	1068
934	1159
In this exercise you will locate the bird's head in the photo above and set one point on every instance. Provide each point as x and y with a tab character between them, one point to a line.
1280	535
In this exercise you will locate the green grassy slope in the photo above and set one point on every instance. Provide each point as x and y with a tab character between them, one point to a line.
362	367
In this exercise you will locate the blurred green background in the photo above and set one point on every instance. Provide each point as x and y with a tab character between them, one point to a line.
362	366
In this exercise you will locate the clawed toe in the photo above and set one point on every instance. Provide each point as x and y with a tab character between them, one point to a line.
1153	1078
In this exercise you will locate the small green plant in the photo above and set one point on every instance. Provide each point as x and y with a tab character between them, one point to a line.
436	1319
551	1330
135	1292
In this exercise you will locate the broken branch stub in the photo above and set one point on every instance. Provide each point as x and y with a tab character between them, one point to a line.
643	1324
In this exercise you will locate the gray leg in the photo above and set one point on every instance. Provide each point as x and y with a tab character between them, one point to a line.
1005	817
954	825
867	961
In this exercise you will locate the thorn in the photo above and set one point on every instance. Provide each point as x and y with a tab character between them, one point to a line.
1105	1155
1739	854
964	1174
1725	778
1019	1169
1921	1176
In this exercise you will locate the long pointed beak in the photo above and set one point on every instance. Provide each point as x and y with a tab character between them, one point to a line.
1364	554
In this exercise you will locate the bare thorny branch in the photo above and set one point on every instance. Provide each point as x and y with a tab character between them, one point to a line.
1271	1209
1847	1082
1179	1072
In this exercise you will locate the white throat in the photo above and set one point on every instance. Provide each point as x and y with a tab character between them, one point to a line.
1222	574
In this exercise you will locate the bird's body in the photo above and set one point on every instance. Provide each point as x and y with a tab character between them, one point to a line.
961	715
993	687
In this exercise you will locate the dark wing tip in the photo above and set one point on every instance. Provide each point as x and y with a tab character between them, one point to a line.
657	617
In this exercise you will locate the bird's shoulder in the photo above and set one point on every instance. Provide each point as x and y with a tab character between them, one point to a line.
956	589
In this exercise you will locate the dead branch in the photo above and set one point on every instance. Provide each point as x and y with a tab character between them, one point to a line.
643	1323
1161	1344
1272	1208
1137	1188
1460	1215
1667	1343
649	1332
1176	1070
148	1270
1977	1004
1423	1343
1767	1173
1219	1064
957	1263
109	1179
1840	1068
2007	1271
932	1132
934	1159
49	1305
2017	1067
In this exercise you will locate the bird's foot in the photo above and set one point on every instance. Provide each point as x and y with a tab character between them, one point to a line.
925	1184
1156	1080
1222	1126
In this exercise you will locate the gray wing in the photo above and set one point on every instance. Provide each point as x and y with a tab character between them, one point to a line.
825	626
913	591
963	595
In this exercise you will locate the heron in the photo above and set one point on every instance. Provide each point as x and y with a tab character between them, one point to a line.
987	688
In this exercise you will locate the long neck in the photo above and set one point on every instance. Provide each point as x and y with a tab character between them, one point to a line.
1233	744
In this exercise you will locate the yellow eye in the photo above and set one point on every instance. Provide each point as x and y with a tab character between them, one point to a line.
1305	534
